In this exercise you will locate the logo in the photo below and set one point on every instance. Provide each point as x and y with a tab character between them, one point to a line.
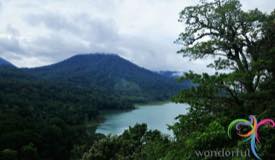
252	134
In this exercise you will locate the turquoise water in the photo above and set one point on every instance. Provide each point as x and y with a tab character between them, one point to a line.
157	116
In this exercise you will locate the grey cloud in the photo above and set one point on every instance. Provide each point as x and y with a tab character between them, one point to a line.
10	43
263	5
52	21
81	25
77	34
44	35
57	47
12	31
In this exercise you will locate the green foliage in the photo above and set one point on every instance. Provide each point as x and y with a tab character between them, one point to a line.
230	35
8	154
41	119
29	152
135	143
242	42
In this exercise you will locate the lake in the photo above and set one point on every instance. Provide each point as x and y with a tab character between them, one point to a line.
156	116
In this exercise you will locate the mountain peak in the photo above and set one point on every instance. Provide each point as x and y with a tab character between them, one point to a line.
96	60
87	55
95	56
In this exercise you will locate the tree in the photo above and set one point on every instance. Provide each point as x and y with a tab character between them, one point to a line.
222	30
133	144
29	152
8	154
241	45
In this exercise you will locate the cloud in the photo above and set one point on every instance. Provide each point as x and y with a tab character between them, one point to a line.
263	5
10	42
76	34
34	34
51	20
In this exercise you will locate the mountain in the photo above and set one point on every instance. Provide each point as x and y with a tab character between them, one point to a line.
50	116
4	62
112	74
43	99
55	108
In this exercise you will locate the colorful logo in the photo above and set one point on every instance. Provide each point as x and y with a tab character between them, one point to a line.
252	135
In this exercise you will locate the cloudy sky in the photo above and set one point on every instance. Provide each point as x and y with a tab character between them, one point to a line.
35	33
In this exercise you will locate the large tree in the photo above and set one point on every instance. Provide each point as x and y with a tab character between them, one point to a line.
231	36
241	45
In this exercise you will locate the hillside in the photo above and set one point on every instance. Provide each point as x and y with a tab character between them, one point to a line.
46	117
112	74
4	62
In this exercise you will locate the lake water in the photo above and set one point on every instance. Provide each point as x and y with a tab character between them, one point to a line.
157	116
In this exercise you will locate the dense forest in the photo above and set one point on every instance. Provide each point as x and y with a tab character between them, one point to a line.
41	118
51	112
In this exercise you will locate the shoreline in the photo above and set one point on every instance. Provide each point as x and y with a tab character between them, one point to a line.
101	118
152	103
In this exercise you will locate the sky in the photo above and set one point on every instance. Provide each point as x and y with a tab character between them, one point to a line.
36	33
